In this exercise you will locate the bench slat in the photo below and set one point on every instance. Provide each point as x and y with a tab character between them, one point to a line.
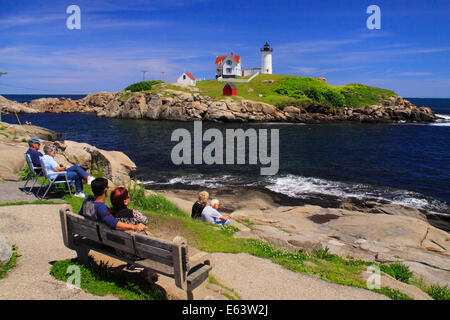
154	242
83	227
117	239
155	266
150	252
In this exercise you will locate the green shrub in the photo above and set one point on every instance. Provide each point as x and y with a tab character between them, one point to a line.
98	169
398	271
313	89
142	86
25	173
438	293
154	203
323	254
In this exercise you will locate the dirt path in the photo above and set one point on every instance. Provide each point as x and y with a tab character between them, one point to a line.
35	229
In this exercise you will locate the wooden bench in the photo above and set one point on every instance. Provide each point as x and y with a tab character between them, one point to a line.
164	257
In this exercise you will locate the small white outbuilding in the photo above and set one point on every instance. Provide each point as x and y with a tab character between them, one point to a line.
187	78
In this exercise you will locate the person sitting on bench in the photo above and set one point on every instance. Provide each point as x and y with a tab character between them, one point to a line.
120	199
96	209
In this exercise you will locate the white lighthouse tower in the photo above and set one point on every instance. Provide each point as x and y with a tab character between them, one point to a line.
266	59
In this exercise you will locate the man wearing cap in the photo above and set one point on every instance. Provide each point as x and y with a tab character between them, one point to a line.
34	144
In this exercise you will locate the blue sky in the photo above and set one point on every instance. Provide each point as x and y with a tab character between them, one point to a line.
410	54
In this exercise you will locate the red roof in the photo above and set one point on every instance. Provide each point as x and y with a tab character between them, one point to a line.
190	75
220	59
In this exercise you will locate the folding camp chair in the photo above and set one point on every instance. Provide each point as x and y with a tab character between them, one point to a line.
35	171
51	178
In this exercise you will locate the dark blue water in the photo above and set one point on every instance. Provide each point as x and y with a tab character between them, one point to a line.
401	163
28	97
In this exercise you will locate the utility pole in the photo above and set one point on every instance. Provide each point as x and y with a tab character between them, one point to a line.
2	74
162	75
143	74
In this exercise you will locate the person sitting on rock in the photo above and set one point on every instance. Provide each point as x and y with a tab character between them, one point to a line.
75	173
199	205
210	214
33	150
120	199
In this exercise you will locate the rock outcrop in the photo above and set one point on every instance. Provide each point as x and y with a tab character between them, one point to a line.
114	165
183	106
188	106
5	250
397	235
8	106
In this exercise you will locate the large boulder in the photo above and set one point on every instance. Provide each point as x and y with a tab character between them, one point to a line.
115	165
9	106
5	250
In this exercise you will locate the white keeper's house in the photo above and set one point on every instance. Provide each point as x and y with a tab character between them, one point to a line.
187	78
230	66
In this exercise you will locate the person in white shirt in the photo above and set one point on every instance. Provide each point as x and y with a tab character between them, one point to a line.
210	214
75	173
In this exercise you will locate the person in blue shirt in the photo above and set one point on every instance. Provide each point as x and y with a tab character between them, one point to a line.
75	173
211	215
33	150
100	189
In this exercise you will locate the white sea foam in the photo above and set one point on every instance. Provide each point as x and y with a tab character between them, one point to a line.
308	187
445	116
444	122
305	187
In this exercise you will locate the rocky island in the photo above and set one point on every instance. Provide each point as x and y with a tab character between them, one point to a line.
267	98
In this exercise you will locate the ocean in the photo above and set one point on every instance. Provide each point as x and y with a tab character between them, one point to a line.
402	163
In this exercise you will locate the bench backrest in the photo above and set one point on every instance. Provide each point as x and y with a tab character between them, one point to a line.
166	257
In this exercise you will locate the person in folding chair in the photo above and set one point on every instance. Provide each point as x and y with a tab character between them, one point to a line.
33	150
75	173
34	163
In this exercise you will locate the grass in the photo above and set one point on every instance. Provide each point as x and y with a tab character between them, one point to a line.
232	295
101	279
167	220
283	90
435	291
292	90
21	203
25	173
98	169
398	271
10	264
438	293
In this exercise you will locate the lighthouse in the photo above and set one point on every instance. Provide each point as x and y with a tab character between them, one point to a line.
266	59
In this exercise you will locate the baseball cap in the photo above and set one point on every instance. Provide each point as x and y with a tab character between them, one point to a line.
35	140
